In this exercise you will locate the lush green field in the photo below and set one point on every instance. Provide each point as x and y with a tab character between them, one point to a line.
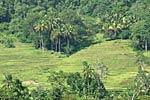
26	63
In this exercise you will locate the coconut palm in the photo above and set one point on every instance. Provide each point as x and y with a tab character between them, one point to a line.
69	33
41	27
56	37
56	33
88	74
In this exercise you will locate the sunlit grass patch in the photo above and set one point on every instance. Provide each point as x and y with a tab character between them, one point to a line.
26	63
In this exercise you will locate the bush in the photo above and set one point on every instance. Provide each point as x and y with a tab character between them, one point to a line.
125	34
12	89
8	42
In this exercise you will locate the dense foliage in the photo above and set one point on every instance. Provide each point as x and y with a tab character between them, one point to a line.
12	89
86	85
69	25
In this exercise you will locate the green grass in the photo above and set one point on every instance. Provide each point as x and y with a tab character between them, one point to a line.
117	55
26	63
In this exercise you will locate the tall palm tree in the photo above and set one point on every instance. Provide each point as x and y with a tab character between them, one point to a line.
56	37
69	33
41	28
55	33
53	24
88	74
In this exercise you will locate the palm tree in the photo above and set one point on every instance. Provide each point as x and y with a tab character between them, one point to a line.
56	37
53	24
53	39
69	33
54	32
41	27
88	74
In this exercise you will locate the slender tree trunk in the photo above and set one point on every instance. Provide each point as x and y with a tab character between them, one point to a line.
59	44
146	44
51	45
68	43
40	40
42	43
56	46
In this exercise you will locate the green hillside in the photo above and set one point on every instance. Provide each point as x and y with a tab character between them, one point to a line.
117	55
27	63
74	49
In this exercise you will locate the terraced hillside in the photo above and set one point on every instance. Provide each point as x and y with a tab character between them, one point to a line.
27	63
117	55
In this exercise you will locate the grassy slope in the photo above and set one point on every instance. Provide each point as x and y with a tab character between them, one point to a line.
26	63
116	55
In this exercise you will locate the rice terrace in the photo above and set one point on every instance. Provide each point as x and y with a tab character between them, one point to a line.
74	50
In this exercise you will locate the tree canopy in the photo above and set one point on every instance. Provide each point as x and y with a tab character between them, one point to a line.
68	25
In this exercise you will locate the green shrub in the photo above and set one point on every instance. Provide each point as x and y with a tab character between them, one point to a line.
144	97
9	43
